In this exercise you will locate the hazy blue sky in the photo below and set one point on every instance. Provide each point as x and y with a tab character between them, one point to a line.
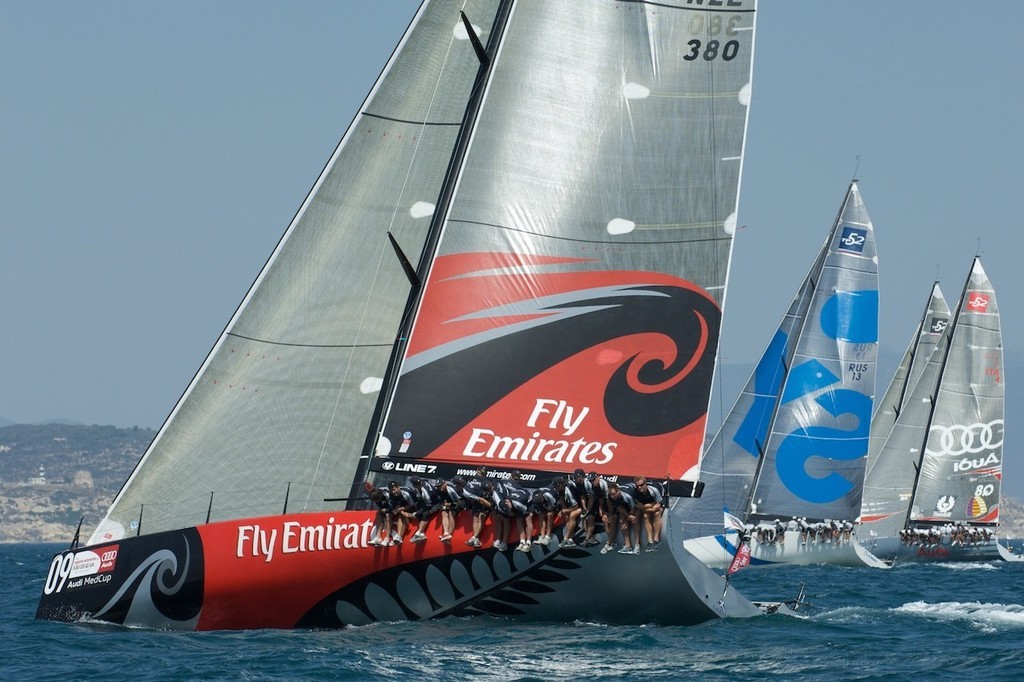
151	155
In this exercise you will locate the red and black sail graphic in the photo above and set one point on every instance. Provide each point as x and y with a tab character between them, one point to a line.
538	362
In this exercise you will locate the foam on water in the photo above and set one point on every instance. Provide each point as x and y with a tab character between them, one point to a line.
988	617
969	566
846	614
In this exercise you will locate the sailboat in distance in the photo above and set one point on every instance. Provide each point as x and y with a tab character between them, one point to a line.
516	257
889	481
786	467
934	489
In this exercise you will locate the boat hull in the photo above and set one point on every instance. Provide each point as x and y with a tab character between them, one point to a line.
318	571
893	550
718	552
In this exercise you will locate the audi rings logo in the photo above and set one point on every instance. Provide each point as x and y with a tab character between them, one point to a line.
958	440
387	466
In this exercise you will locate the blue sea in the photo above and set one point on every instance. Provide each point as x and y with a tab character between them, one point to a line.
927	622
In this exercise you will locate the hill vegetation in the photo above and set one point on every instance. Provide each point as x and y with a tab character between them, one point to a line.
52	475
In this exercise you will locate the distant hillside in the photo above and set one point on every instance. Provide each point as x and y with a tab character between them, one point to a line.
51	475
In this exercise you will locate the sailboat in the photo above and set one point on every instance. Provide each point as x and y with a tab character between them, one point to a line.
516	257
933	488
889	481
786	468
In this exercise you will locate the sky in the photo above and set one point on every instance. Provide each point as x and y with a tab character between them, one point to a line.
152	154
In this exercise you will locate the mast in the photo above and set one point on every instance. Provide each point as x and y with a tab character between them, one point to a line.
433	234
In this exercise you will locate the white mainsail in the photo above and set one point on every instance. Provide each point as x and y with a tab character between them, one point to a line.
814	457
961	466
570	317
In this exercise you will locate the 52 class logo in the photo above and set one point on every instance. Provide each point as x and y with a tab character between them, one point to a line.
853	239
977	302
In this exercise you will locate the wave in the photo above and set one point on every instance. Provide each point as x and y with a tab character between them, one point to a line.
988	617
846	614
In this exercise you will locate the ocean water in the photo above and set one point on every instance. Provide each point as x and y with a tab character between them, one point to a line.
928	622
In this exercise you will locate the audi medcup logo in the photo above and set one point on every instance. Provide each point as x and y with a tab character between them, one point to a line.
853	239
977	302
958	440
81	569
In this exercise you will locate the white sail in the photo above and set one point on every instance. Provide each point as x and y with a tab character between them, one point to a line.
888	478
814	458
280	408
571	315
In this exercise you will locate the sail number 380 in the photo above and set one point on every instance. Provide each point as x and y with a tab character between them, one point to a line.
712	50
